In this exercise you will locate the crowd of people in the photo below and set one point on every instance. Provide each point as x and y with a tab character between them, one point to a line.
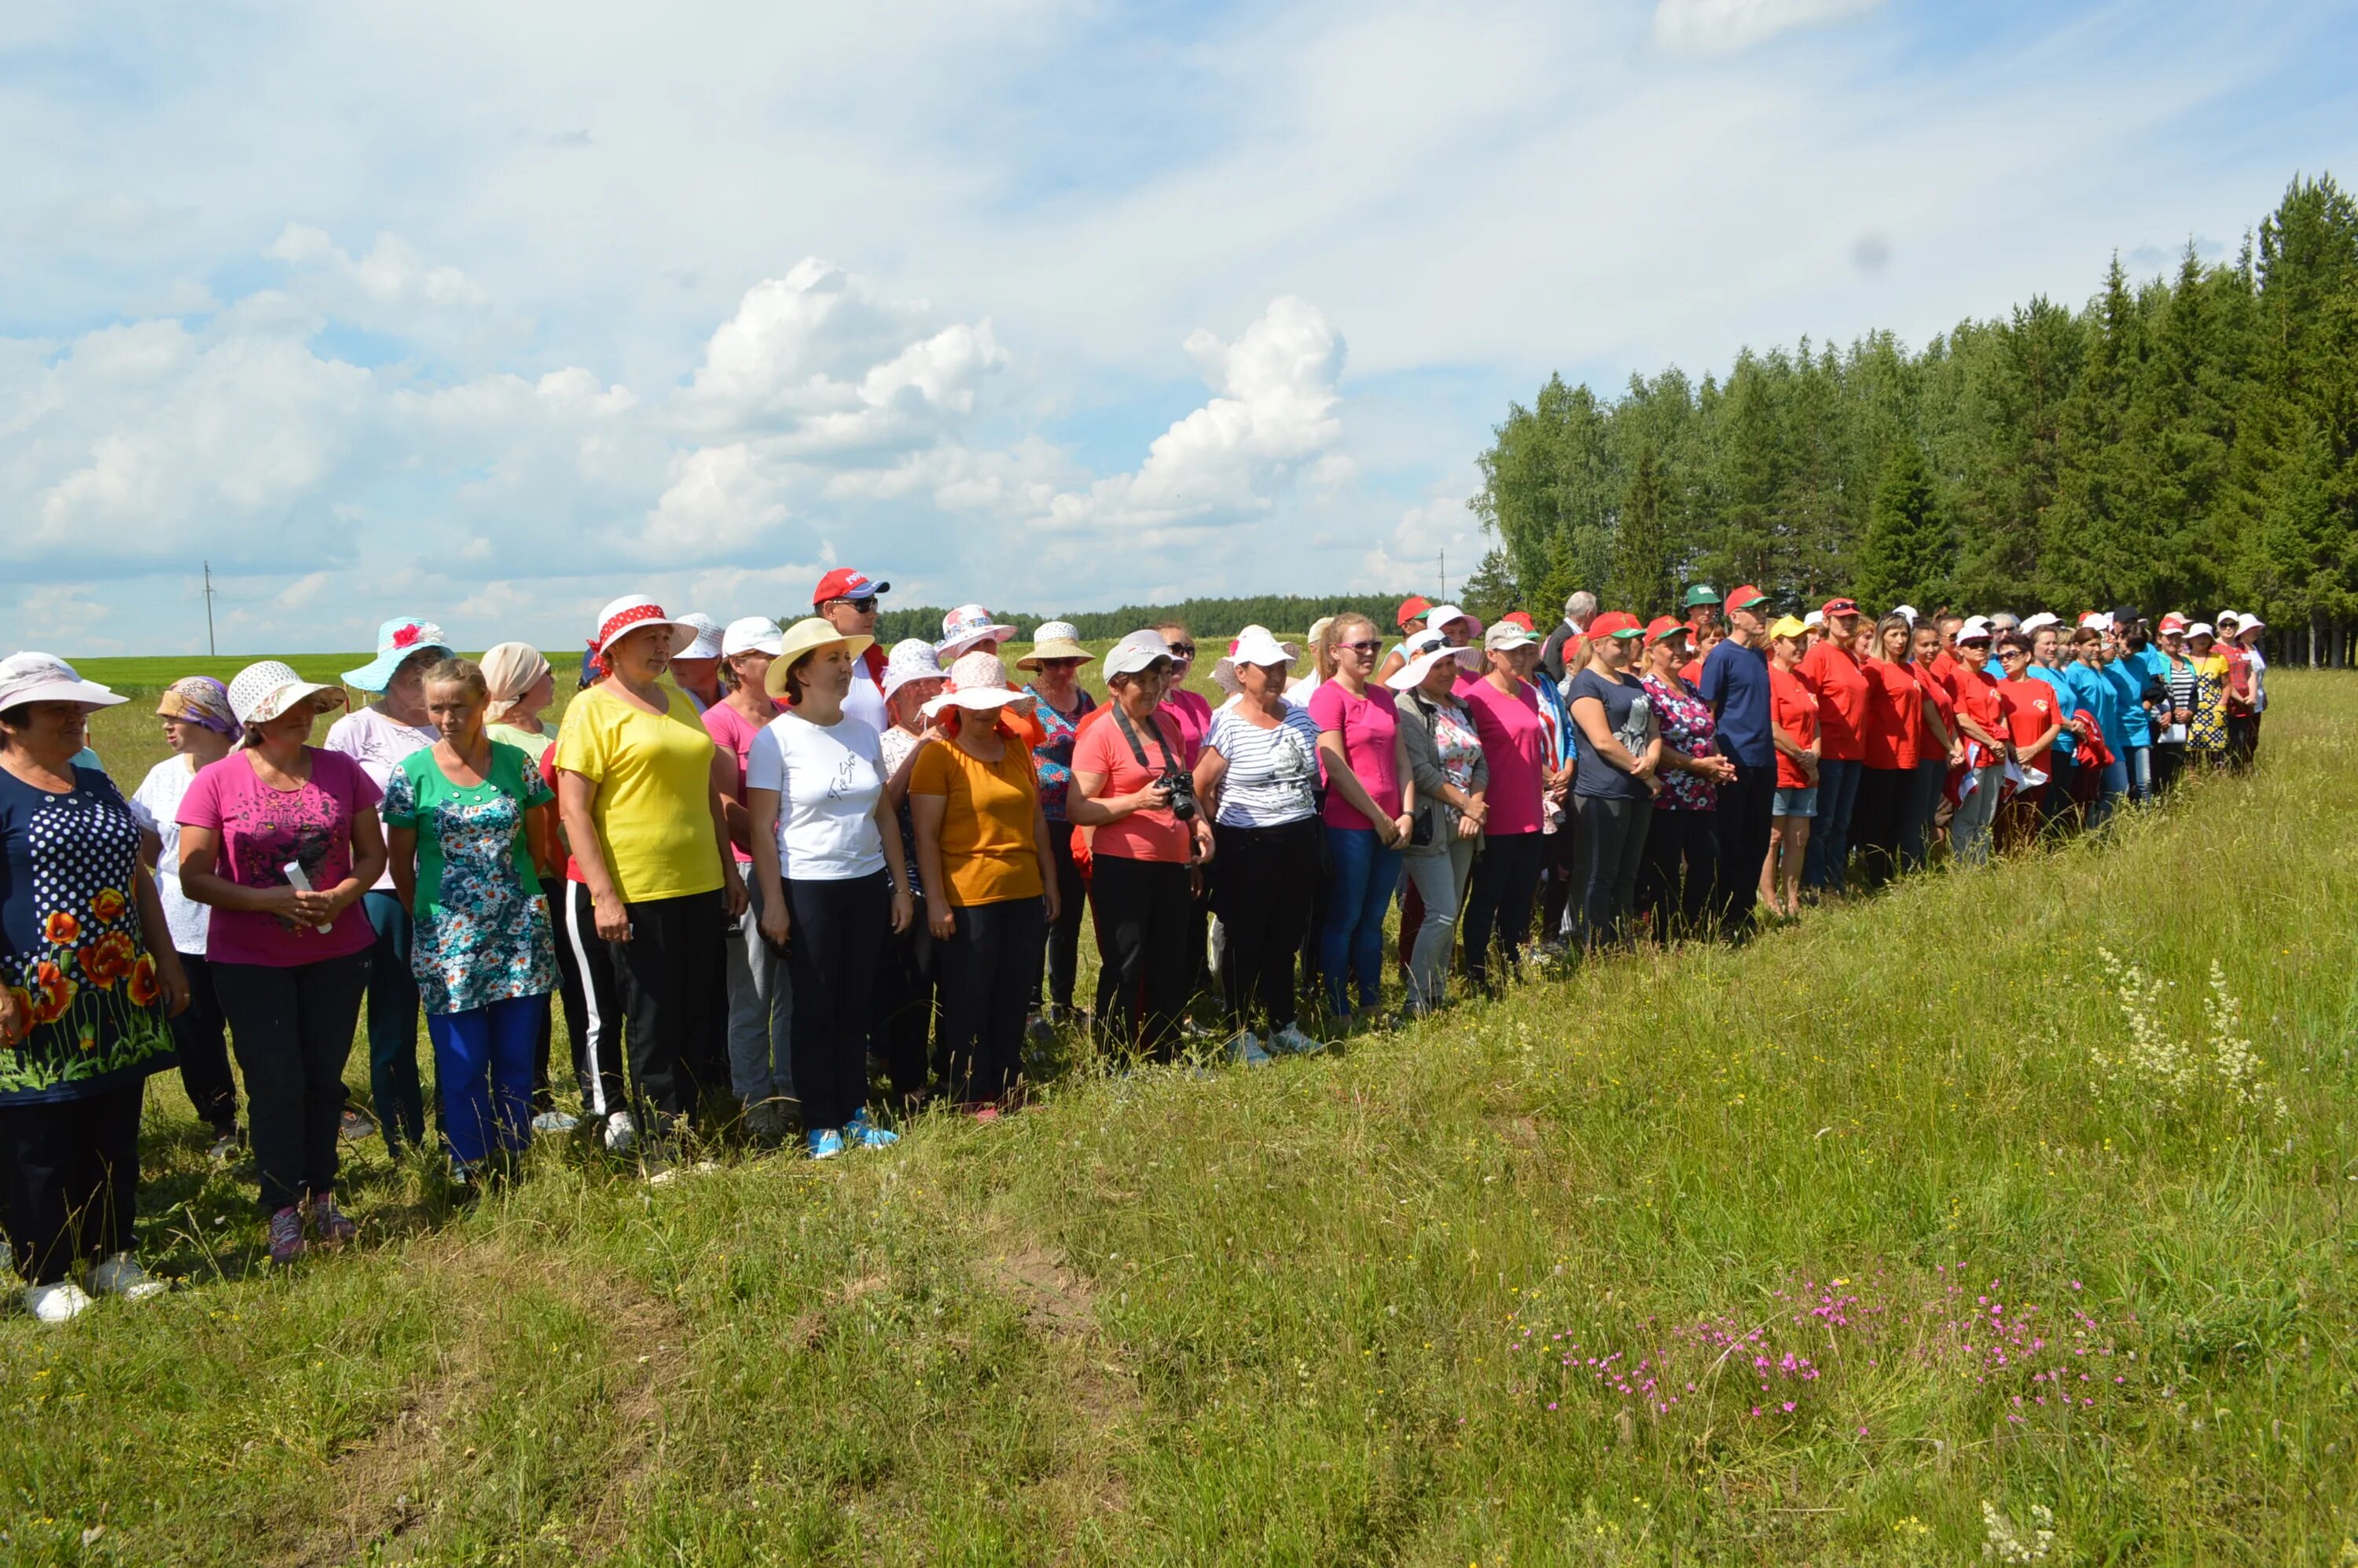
751	858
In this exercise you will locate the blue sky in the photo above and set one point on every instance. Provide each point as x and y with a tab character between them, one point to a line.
491	313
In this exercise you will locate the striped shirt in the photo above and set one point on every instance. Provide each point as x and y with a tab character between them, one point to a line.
1272	773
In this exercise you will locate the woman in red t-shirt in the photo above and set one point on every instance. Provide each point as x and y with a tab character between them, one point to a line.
1930	668
1889	743
1793	730
2033	720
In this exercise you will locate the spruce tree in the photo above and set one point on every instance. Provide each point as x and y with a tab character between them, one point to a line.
1910	550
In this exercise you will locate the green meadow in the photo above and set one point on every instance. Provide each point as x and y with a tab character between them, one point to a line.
2005	1217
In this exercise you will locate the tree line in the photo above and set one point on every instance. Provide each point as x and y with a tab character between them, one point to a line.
2185	441
1207	618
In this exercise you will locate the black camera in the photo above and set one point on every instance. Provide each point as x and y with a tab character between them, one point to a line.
1182	786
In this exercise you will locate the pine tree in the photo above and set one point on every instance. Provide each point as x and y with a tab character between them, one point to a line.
1645	550
1910	548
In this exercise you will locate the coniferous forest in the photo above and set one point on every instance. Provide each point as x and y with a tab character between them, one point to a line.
2186	441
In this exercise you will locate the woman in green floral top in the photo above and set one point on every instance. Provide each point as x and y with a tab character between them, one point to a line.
464	840
87	976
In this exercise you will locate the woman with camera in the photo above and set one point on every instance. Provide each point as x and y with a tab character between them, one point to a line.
1131	786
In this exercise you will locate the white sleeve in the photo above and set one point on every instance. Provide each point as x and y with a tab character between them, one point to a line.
765	760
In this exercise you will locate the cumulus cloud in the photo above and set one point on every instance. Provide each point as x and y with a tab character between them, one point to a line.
1730	27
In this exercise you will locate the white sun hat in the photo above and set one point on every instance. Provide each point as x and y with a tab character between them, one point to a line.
1410	676
747	635
967	628
978	681
270	689
634	610
2201	629
31	676
708	636
2039	621
912	658
1253	645
1438	618
2249	623
1135	652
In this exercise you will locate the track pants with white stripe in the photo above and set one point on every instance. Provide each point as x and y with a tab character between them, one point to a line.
591	994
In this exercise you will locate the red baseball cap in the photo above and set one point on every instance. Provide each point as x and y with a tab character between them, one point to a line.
1615	623
1840	607
1745	597
846	582
1522	618
1413	607
1661	626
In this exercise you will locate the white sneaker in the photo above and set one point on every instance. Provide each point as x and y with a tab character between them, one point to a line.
1291	1042
621	1132
1244	1047
61	1302
555	1121
121	1275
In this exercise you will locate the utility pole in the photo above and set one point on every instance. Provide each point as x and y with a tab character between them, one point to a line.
1444	576
210	646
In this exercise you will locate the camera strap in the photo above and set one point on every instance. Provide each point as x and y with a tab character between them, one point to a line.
1138	751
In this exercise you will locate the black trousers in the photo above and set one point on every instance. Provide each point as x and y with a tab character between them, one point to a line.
1679	872
589	988
2062	777
988	967
672	975
1499	890
1145	914
908	982
836	935
1747	807
2169	764
1561	880
1065	935
200	1034
1262	897
1613	845
292	1028
70	1180
1878	822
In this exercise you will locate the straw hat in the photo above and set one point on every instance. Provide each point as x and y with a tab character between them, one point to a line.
1054	640
807	635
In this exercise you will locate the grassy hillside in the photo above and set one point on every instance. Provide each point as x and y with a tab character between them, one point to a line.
1865	1244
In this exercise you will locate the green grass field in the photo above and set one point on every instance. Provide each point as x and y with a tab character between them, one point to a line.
1870	1243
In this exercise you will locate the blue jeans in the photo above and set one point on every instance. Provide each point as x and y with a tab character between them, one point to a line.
2117	785
483	1065
2140	774
1827	858
394	1086
1923	805
1359	889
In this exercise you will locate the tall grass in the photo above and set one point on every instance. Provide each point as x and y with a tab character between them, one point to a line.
1856	1245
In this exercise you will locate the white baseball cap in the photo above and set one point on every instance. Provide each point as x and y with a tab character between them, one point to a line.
2039	621
1135	652
1974	630
32	676
750	634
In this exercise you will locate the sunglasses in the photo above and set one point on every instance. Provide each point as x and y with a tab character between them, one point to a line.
1367	647
864	605
1182	650
1062	664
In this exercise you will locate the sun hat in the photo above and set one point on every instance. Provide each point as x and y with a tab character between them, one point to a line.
968	627
629	614
2249	623
198	700
1701	594
1746	597
2223	617
1812	621
1840	606
1787	626
396	641
1615	623
1054	640
2039	621
1507	636
270	689
1438	618
978	681
846	582
1909	614
32	676
1413	607
2095	620
750	634
708	636
509	669
912	658
1253	645
1136	653
1423	656
1661	626
2201	629
804	636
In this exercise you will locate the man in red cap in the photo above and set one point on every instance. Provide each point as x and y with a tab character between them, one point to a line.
1735	684
846	600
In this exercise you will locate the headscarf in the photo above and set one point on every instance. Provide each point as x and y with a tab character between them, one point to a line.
198	700
510	670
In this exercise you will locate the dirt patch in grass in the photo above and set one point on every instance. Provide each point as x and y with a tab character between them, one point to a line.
1059	1306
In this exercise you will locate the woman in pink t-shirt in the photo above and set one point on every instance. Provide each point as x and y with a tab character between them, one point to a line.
1148	838
1515	747
1368	810
760	1017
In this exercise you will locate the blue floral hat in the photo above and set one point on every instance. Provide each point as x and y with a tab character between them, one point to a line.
397	640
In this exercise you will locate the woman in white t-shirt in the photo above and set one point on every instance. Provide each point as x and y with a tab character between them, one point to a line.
198	727
1258	777
834	881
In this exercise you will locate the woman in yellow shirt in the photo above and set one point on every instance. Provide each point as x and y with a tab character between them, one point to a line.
990	876
641	788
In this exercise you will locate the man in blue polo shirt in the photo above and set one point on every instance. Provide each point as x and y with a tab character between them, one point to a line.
1735	685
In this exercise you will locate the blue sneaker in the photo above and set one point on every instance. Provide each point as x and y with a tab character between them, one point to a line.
865	1133
826	1142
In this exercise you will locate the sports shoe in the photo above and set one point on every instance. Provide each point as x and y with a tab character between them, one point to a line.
862	1133
986	1113
767	1125
225	1144
331	1225
286	1235
1245	1048
59	1302
354	1125
121	1275
826	1142
620	1133
1038	1030
659	1159
555	1121
1291	1042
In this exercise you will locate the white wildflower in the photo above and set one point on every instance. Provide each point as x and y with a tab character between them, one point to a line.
2004	1542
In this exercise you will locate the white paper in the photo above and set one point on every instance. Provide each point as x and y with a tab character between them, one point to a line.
301	880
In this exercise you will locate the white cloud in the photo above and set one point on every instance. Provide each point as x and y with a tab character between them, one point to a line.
1729	26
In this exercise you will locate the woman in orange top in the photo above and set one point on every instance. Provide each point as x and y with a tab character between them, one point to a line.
990	876
1893	737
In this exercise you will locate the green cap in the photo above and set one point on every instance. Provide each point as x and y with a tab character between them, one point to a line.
1702	593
